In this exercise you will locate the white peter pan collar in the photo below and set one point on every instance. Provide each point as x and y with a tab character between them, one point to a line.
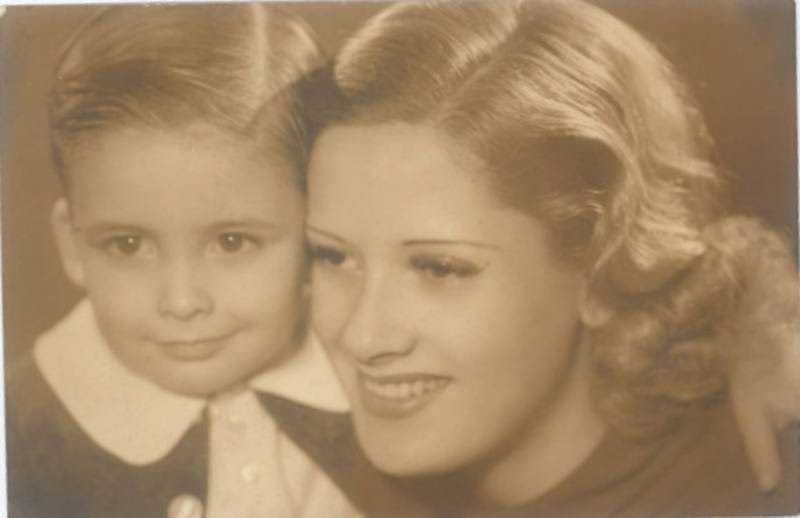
135	419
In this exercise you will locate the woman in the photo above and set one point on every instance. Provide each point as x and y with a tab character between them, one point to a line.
523	273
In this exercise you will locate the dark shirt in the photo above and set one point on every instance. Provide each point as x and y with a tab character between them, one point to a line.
699	469
56	470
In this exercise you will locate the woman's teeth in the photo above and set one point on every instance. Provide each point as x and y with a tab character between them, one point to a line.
404	389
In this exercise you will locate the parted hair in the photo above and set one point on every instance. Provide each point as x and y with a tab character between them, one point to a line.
577	119
240	68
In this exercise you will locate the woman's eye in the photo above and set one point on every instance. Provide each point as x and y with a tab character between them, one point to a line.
443	267
233	242
124	245
332	257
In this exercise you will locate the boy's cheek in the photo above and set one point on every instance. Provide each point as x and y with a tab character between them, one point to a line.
271	284
123	298
273	281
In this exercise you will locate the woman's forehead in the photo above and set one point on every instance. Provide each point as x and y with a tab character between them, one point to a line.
393	161
402	183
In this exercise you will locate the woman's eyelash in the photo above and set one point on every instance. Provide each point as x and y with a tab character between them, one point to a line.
441	267
328	255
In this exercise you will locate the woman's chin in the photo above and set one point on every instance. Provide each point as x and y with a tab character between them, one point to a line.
401	464
410	456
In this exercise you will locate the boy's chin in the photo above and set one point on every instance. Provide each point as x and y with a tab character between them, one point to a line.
204	387
228	369
203	381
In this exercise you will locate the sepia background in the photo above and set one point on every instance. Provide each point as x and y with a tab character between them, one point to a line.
737	55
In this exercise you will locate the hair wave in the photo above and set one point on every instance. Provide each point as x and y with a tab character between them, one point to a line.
580	121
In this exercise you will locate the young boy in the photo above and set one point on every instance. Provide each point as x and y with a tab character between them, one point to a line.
180	383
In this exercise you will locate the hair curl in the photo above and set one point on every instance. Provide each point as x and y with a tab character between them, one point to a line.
578	120
241	68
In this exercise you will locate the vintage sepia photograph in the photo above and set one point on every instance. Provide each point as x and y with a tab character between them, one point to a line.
421	259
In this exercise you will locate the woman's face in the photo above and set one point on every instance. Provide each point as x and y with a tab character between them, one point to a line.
443	311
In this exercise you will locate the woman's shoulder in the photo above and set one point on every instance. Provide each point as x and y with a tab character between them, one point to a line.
698	469
703	470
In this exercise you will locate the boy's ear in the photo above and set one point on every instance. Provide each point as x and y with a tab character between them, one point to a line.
594	313
61	221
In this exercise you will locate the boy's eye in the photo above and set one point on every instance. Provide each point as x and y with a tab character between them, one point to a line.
234	242
124	245
332	257
443	267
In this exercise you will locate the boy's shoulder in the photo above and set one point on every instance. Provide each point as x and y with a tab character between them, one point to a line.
21	375
34	415
55	469
39	439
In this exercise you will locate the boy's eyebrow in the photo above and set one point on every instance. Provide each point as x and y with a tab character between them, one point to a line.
245	222
326	234
105	226
445	242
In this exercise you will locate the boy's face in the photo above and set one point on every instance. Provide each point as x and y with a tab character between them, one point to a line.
190	247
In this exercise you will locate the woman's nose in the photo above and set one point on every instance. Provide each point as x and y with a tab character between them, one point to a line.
184	293
377	329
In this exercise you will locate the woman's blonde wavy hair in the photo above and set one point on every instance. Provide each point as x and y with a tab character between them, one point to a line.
579	120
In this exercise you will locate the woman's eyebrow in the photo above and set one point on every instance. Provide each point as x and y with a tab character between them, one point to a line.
324	233
452	242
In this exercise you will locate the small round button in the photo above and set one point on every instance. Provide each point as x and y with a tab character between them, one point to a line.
236	420
250	473
185	506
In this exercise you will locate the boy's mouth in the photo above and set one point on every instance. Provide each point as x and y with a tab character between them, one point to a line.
194	349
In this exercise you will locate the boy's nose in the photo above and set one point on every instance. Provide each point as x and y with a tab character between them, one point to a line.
184	294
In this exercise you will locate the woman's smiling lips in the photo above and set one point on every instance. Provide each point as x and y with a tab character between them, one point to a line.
194	349
399	395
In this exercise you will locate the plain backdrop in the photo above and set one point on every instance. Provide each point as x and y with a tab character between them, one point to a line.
737	55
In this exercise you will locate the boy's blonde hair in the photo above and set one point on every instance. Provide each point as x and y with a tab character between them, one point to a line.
240	68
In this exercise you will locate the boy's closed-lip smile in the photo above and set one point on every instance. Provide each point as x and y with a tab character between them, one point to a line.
194	349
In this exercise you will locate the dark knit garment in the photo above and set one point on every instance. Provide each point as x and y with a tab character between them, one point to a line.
700	469
56	471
